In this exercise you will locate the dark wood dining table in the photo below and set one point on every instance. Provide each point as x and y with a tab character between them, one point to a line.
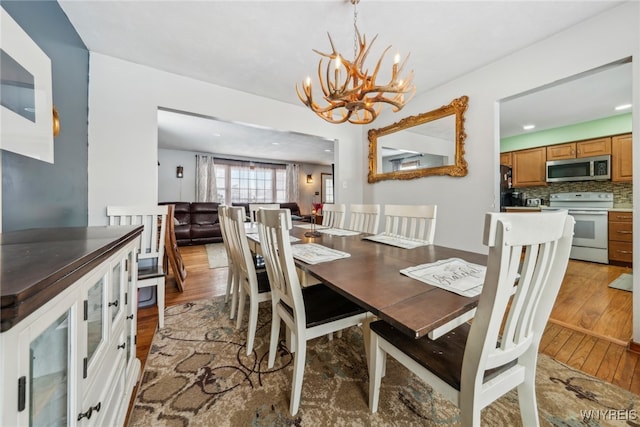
371	277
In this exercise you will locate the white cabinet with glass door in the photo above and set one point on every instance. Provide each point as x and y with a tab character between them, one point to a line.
72	361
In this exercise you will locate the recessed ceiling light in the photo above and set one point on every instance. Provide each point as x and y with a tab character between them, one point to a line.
327	151
622	107
528	127
216	134
275	143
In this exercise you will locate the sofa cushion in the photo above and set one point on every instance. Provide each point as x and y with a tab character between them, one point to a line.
292	206
204	213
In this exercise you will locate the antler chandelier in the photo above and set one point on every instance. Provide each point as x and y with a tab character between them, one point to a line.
351	93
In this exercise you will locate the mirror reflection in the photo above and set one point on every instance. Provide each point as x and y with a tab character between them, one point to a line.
427	144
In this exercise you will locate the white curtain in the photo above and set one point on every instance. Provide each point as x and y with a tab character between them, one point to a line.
206	189
292	182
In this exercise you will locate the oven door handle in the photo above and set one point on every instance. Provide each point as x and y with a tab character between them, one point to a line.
572	212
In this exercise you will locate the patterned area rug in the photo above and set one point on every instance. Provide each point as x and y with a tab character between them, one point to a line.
217	255
198	374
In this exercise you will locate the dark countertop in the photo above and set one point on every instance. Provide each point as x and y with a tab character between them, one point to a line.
38	264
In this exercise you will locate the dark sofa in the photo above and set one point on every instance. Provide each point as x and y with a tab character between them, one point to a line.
197	222
292	206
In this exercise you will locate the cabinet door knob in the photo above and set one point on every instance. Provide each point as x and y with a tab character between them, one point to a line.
114	304
130	317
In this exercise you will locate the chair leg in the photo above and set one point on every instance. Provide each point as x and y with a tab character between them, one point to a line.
229	284
275	333
242	300
377	357
234	295
527	390
160	299
253	324
298	373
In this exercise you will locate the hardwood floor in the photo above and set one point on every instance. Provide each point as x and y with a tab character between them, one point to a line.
589	328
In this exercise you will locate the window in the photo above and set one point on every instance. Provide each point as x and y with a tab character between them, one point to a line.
250	182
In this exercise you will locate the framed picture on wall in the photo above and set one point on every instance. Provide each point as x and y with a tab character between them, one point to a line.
26	101
326	187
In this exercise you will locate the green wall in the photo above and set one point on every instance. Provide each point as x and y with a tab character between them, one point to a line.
593	129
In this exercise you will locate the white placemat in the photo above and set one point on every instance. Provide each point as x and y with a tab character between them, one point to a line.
453	274
338	232
313	253
398	241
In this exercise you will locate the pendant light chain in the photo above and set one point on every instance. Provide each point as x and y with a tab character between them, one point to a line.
355	28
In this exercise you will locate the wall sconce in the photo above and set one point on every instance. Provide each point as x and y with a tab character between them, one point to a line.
179	172
309	179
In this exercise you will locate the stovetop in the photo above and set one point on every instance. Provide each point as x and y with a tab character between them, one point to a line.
587	199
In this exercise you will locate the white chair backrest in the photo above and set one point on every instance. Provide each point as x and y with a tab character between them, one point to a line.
253	208
224	229
273	229
364	218
154	220
333	215
412	222
234	219
535	246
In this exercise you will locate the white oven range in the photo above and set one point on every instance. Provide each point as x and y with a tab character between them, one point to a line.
590	210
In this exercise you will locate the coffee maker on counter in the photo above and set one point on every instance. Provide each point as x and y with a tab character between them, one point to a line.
509	196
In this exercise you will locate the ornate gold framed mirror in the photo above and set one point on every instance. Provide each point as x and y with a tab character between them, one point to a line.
430	143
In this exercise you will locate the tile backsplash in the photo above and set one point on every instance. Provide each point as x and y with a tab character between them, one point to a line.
622	191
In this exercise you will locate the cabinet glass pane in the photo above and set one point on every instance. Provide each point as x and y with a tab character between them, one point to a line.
94	317
49	375
115	302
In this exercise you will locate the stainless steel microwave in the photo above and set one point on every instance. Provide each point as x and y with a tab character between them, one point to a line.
584	169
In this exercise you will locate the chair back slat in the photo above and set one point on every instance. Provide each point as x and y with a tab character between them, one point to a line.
364	218
154	220
333	215
531	250
412	222
253	208
273	229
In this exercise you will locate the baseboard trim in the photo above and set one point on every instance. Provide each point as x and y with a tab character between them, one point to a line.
618	341
634	346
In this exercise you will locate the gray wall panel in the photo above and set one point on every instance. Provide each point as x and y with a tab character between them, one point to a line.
36	193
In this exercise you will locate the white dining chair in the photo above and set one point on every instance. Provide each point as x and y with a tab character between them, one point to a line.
333	215
232	274
475	364
416	222
364	218
307	312
251	282
152	245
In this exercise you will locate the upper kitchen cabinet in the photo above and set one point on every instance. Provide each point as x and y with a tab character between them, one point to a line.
506	159
529	167
621	158
572	150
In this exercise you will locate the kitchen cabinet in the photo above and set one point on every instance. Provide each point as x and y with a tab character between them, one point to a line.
506	158
621	158
620	237
70	324
572	150
529	167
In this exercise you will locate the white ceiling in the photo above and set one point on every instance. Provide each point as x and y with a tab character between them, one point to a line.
265	48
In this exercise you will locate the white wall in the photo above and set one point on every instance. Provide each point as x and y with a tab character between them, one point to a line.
123	153
170	187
